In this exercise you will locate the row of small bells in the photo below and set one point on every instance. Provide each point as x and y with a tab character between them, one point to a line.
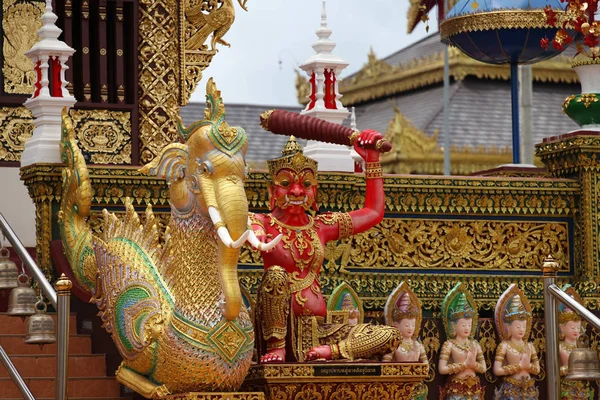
22	302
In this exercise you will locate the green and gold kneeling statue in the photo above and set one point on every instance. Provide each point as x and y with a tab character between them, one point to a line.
516	358
292	316
461	356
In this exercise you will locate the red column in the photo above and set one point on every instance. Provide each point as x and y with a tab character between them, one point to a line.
55	82
38	83
313	91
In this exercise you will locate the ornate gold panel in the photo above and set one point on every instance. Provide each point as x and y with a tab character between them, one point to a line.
104	135
216	396
17	128
193	60
461	245
20	22
158	76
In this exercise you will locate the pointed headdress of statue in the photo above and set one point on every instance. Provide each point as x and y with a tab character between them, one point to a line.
292	158
403	303
512	306
565	314
458	304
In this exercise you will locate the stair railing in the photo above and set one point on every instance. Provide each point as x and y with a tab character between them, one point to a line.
14	374
60	301
552	295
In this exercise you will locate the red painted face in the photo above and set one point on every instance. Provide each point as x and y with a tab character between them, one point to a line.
294	192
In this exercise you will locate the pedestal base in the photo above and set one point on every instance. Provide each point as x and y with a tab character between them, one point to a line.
217	396
335	380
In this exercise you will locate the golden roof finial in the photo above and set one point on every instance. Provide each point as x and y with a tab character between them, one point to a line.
291	147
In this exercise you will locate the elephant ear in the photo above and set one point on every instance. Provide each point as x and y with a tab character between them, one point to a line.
170	164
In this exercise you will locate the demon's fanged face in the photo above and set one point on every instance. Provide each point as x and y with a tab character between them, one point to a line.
294	191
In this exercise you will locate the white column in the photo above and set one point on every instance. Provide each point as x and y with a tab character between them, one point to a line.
44	144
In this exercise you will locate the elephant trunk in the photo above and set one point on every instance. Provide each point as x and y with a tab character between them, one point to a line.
233	209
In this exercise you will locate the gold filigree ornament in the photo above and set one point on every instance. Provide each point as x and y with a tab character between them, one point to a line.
403	303
567	102
292	158
104	134
199	19
512	306
503	19
20	23
587	99
159	76
17	128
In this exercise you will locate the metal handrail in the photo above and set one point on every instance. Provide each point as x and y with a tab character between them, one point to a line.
31	266
553	294
574	305
61	303
14	374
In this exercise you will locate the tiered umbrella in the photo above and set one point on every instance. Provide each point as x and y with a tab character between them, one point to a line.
501	32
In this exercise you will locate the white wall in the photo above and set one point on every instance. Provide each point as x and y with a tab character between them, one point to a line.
16	205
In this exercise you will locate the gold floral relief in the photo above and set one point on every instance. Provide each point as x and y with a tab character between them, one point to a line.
104	135
458	244
20	22
159	76
17	128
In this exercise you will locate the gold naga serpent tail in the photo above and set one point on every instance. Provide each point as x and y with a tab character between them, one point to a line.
75	207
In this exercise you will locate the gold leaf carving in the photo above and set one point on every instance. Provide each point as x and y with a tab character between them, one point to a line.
159	72
104	134
20	22
17	128
462	245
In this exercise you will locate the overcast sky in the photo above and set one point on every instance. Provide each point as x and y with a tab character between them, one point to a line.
273	30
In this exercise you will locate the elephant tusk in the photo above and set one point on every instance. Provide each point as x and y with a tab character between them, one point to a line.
223	232
262	246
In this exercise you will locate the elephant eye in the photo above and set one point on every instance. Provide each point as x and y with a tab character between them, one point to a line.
205	167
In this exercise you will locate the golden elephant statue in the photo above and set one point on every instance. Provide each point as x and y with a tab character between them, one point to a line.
175	309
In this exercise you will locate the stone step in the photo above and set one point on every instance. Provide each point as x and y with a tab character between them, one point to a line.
77	387
14	344
17	325
44	365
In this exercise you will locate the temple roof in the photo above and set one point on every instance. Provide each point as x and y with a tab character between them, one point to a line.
262	145
421	65
479	112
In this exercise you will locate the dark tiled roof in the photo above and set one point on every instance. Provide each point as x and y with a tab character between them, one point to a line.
420	106
262	145
480	111
427	46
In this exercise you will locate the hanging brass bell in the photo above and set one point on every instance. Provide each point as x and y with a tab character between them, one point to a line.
8	270
22	299
583	365
40	326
